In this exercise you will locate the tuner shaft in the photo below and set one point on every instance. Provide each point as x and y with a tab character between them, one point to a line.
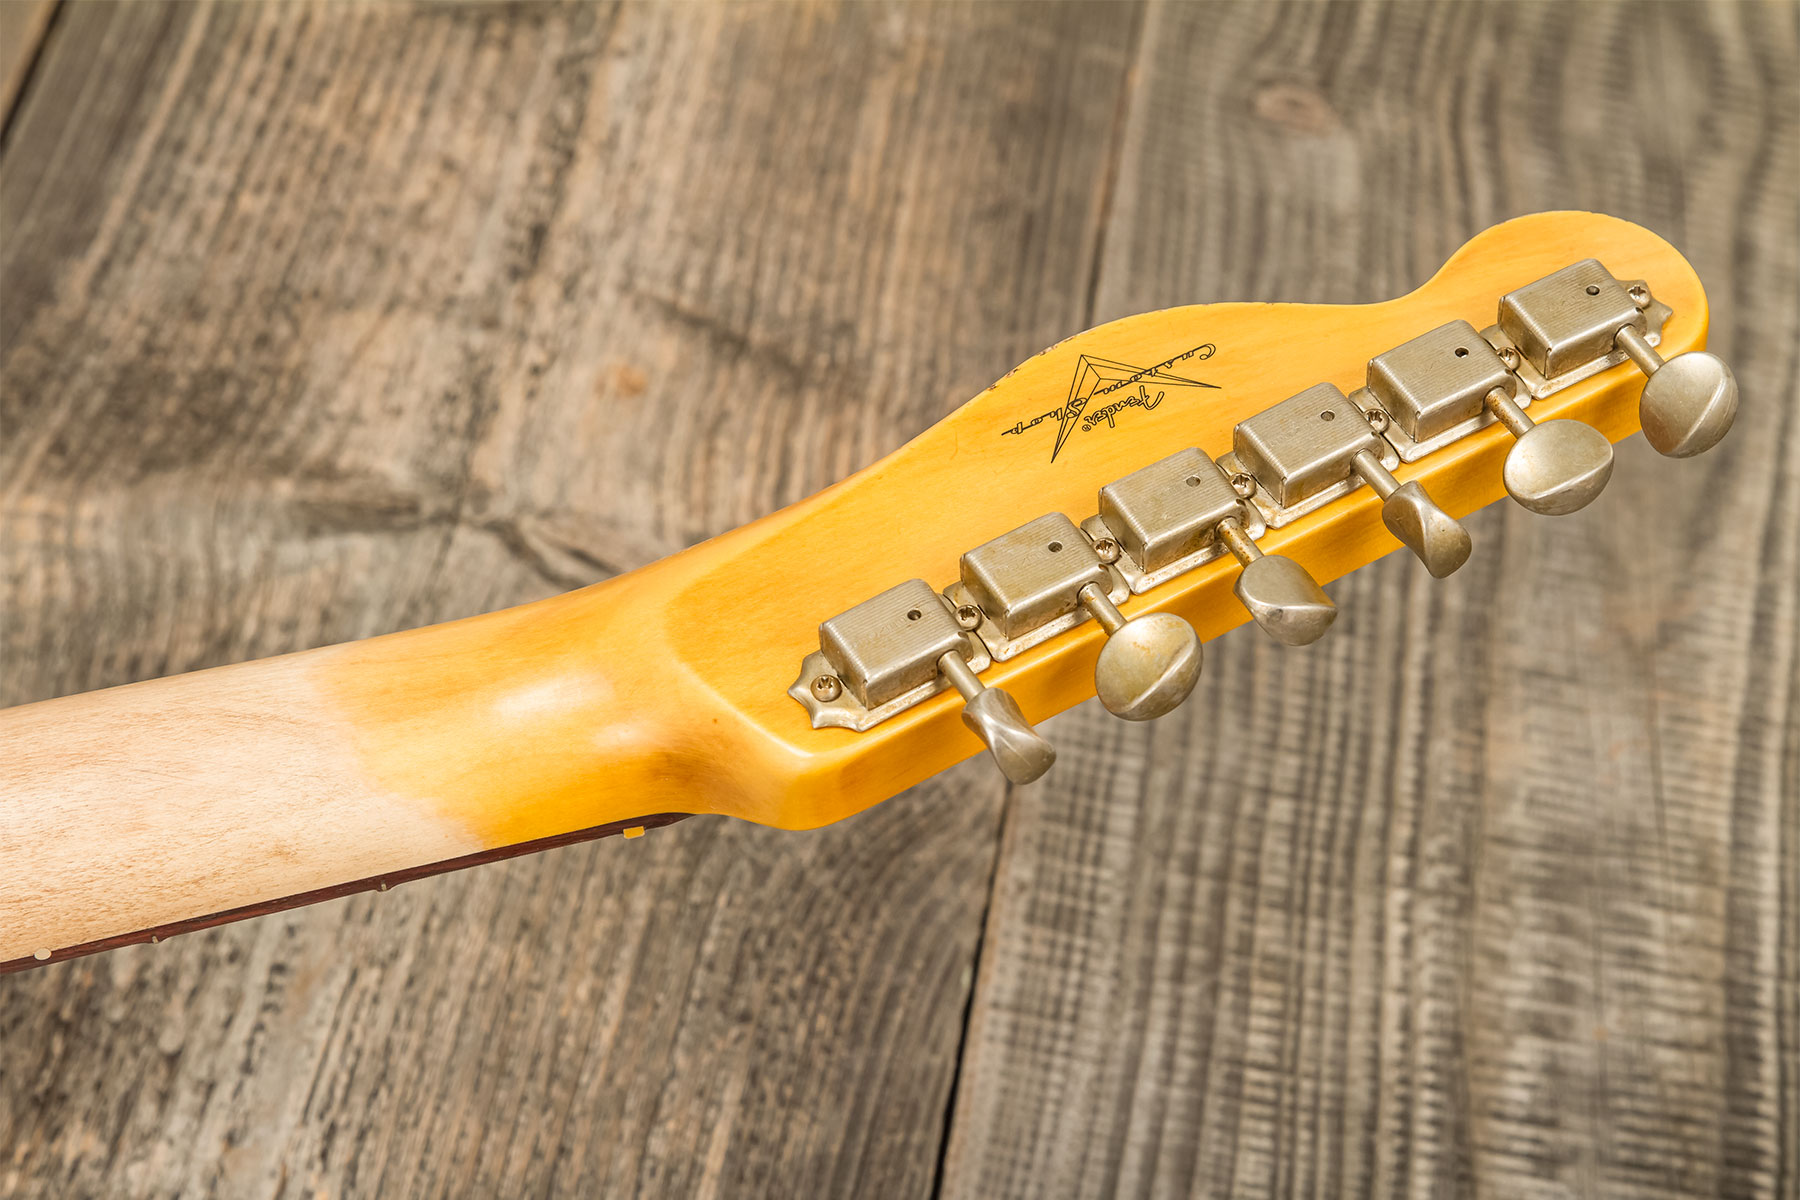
992	715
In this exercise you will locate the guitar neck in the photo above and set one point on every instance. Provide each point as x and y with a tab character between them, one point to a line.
162	806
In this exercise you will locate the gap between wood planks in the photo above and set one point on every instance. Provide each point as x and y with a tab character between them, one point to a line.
1109	187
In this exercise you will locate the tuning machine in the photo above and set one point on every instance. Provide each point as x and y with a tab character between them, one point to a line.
1184	511
1581	315
901	647
1316	446
1445	380
1046	576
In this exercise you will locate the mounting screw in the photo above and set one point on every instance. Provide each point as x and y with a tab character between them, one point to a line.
1244	484
1378	420
1107	549
1640	295
968	616
1510	357
827	688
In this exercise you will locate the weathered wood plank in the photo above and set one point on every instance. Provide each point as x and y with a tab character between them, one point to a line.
322	322
23	24
1492	891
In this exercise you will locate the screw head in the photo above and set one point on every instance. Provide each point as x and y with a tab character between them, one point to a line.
1378	420
1510	357
1244	484
827	687
1640	295
968	617
1107	549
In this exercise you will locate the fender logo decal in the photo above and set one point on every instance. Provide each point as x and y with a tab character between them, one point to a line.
1116	386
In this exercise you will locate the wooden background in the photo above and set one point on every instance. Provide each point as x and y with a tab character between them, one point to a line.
1496	891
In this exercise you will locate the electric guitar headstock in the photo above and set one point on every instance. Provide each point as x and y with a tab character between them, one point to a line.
1088	522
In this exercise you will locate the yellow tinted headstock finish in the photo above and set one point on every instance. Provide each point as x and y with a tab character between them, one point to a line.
685	706
667	690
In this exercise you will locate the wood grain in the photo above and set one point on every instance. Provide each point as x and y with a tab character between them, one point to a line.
1492	892
23	24
324	322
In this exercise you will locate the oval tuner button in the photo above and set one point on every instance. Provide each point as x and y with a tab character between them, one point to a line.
1558	467
1285	600
1689	401
1279	593
993	715
1435	537
1555	468
1149	664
